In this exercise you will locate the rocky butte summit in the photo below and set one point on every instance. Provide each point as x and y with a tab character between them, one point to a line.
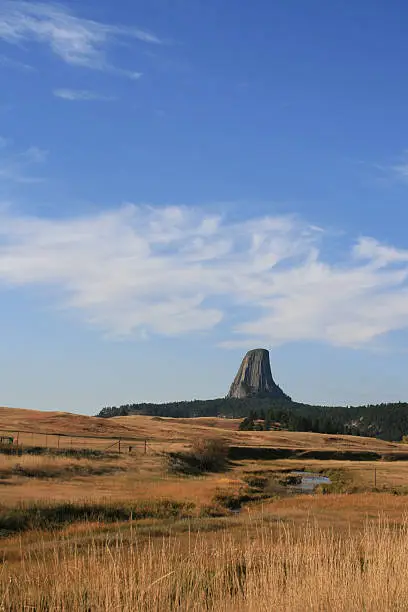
254	378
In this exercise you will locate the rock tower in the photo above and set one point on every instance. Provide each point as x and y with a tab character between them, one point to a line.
254	377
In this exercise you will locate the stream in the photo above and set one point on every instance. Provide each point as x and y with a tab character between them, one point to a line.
309	481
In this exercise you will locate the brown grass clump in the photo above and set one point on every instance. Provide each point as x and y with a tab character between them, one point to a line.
283	570
49	466
205	455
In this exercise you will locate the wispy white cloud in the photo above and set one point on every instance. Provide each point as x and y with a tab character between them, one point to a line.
401	170
140	269
80	95
378	254
8	62
77	41
396	170
16	166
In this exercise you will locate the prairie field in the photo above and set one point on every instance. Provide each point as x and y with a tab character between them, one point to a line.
84	527
159	431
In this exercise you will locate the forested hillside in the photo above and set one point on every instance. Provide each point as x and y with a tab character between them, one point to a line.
386	421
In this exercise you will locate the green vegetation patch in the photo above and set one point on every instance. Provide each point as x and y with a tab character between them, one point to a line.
266	453
341	482
41	516
63	471
76	453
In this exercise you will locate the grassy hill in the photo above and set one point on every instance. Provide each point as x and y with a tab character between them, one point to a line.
164	430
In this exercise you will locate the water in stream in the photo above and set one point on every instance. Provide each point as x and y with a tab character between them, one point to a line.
309	481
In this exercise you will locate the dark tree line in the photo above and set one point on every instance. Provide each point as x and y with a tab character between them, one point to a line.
224	407
386	421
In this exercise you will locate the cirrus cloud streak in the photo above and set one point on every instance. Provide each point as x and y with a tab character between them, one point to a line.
75	40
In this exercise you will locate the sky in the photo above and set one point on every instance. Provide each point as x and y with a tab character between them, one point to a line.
184	180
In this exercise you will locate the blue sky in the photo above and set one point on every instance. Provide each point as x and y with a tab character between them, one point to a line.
183	181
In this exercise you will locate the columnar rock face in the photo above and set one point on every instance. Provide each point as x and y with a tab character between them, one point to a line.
254	377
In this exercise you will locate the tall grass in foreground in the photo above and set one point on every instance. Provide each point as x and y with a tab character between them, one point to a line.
268	571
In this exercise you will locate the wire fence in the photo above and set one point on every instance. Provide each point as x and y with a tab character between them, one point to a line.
23	440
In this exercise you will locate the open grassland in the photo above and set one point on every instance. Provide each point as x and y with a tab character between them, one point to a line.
90	529
161	429
251	569
50	466
143	472
79	431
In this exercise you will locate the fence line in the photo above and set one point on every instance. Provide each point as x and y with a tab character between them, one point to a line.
63	440
72	435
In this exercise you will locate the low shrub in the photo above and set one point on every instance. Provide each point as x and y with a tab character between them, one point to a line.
234	501
211	453
206	455
255	482
341	482
290	480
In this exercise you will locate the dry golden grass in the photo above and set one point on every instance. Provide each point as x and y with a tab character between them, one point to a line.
138	476
280	569
339	512
289	553
189	429
124	478
364	474
120	487
164	432
51	466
